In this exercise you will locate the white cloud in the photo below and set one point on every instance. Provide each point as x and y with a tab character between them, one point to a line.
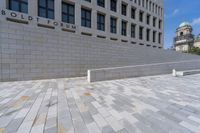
196	21
176	11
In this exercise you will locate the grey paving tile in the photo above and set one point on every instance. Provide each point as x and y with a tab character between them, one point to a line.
135	105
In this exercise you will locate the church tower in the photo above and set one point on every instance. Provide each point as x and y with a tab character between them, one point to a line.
184	39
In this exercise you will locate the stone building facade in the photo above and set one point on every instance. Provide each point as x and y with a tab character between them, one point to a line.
197	41
64	38
185	39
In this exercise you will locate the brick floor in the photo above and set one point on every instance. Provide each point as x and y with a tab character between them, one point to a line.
157	104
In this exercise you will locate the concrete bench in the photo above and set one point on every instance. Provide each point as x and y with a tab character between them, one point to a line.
141	70
187	72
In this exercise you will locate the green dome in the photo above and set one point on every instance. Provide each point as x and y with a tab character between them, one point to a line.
184	24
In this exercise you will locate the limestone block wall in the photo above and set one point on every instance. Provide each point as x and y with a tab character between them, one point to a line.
31	52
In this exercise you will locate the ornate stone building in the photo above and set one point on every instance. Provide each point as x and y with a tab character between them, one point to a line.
197	41
185	39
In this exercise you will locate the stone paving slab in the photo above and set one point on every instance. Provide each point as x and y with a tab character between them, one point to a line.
156	104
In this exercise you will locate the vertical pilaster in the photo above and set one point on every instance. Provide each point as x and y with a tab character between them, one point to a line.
3	4
58	10
107	22
77	15
33	7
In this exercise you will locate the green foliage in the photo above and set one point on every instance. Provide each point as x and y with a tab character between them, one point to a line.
195	50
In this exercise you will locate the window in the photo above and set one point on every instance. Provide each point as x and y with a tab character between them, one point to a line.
68	13
123	30
100	22
159	37
153	8
86	18
133	30
133	10
46	8
142	3
123	9
141	33
148	19
147	4
154	22
113	5
160	24
141	16
113	25
19	5
101	3
148	35
150	6
154	36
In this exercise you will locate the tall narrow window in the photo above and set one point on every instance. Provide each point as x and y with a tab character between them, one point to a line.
154	21
113	25
154	36
141	33
159	37
124	6
86	18
101	3
141	16
113	5
46	8
124	28
19	5
160	24
148	35
133	10
133	30
100	22
68	13
148	19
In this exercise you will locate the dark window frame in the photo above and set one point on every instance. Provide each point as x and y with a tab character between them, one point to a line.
100	21
101	3
113	5
86	21
20	2
68	14
113	25
133	30
47	9
124	9
124	28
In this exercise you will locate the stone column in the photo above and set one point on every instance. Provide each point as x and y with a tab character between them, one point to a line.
94	16
77	16
33	7
3	4
107	18
119	20
58	10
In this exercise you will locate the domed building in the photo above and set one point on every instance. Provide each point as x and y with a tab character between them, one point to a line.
184	39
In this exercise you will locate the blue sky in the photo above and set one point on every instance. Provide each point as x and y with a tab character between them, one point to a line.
177	11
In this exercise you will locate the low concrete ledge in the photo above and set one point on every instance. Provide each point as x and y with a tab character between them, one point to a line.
140	70
189	72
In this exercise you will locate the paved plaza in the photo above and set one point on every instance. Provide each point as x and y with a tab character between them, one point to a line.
157	104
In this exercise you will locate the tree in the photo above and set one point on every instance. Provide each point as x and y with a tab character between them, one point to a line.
195	50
